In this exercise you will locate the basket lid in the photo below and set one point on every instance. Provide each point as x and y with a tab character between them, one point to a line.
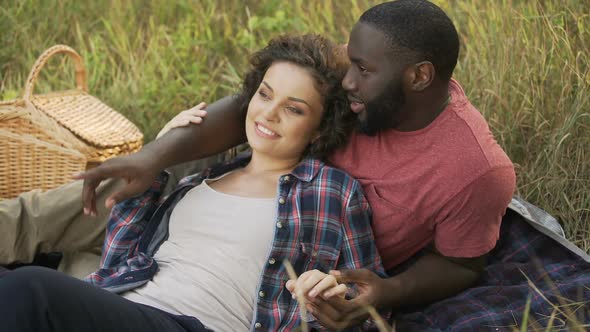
84	115
88	118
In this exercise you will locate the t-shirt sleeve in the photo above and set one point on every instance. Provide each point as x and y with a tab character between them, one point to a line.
468	225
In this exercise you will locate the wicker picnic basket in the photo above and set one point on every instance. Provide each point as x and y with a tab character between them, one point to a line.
38	133
54	164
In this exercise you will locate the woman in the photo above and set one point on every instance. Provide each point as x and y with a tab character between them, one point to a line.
209	256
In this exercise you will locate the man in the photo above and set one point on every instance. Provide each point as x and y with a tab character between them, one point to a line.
436	179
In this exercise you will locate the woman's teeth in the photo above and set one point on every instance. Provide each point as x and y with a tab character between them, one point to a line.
266	130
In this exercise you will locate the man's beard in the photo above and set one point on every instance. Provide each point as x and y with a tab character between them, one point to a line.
380	112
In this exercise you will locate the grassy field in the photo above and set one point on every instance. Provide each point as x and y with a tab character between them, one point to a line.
525	65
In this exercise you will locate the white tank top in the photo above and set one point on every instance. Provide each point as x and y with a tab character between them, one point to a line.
212	261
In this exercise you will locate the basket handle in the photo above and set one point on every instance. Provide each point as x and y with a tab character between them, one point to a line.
81	81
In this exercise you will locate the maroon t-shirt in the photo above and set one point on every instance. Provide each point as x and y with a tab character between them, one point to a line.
448	183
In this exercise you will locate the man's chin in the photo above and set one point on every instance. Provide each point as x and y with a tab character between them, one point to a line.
366	129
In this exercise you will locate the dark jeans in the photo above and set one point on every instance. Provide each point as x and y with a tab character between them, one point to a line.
3	270
40	299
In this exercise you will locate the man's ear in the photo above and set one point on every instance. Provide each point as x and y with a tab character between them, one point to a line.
420	75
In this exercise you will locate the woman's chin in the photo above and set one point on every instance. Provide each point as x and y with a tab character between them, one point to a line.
272	153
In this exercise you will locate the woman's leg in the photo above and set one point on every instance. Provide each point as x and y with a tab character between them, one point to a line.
3	271
40	299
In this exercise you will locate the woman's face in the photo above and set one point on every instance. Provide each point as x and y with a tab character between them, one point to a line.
285	112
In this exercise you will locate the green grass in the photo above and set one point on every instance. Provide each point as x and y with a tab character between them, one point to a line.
525	65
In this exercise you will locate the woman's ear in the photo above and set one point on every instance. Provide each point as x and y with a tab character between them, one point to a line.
312	147
316	136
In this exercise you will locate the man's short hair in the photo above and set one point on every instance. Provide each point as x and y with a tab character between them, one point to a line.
421	27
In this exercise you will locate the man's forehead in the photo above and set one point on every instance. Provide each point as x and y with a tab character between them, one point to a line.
367	42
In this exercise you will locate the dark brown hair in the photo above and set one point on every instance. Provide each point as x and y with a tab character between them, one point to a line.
328	64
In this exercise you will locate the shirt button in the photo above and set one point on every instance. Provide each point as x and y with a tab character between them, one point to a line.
261	294
286	178
281	200
257	325
271	261
314	253
279	224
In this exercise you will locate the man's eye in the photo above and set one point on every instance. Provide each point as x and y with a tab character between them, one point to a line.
362	69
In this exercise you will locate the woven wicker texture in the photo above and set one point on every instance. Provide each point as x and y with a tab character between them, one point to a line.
53	164
101	127
88	118
20	119
45	138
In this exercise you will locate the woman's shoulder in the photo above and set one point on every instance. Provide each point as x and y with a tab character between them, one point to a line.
341	186
323	187
336	176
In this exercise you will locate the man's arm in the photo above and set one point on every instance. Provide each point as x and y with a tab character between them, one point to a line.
430	278
470	228
222	129
433	277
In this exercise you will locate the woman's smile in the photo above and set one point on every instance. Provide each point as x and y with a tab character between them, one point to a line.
263	131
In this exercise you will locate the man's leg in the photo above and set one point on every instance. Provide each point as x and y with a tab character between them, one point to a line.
40	299
49	221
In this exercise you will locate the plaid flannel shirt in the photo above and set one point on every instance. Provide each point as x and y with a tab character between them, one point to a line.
323	223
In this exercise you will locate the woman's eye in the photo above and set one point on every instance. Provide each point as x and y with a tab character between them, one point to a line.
294	110
262	94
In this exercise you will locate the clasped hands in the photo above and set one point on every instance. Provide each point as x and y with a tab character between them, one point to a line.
325	295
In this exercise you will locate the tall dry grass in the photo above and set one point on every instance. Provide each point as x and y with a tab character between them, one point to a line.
524	64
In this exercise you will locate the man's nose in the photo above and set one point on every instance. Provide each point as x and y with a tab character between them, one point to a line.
348	82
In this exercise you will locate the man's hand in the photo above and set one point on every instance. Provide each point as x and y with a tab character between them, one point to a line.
223	129
337	313
430	278
135	169
138	168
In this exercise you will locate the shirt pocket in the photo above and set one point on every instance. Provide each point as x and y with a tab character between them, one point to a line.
389	219
319	257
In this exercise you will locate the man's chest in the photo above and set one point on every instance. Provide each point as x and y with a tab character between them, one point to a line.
406	184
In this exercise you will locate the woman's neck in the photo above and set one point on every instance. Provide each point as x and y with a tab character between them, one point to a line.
262	164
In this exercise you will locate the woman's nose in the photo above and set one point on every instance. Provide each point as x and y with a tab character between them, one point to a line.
271	112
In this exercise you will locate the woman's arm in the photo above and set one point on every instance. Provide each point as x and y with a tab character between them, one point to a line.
359	250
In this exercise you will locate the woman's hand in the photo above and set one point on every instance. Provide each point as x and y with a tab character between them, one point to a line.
194	115
316	283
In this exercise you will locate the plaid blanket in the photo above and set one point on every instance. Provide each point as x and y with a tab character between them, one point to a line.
526	268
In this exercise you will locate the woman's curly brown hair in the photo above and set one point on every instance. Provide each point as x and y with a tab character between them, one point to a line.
328	64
